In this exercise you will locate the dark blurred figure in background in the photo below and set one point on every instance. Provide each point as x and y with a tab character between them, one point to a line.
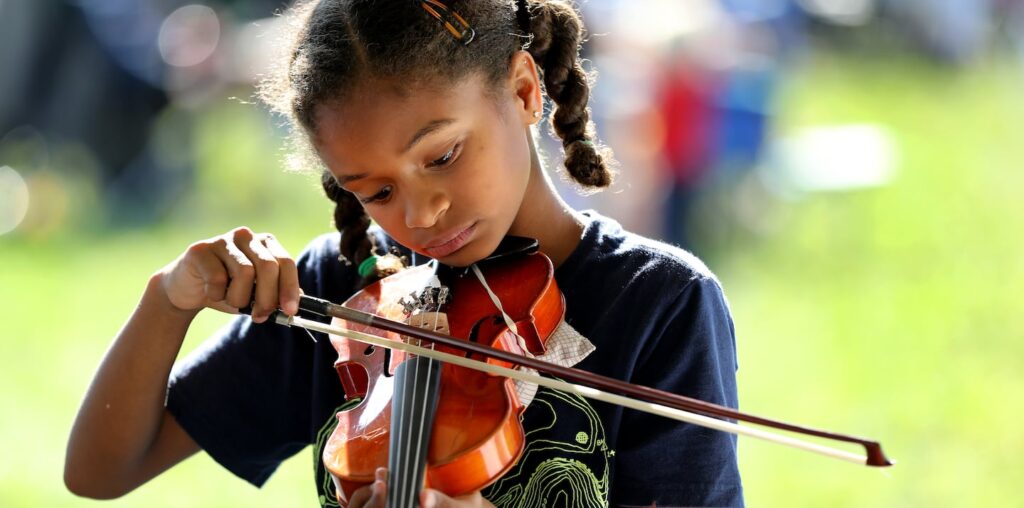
122	81
716	102
950	31
63	84
684	98
104	74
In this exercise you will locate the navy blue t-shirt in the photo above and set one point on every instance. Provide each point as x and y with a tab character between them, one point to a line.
253	395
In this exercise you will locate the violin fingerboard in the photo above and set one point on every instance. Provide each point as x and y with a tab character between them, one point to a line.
417	382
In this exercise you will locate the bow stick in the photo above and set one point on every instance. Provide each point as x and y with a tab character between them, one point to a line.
593	386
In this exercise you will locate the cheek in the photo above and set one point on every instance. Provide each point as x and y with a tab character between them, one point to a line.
497	175
391	220
510	155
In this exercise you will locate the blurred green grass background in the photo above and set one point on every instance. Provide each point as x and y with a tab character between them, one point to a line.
891	313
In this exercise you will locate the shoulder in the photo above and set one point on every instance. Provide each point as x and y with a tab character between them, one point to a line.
619	284
321	248
624	260
322	273
319	256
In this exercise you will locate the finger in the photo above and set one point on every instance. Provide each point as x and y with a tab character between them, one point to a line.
240	271
213	274
379	496
288	275
360	497
430	498
266	274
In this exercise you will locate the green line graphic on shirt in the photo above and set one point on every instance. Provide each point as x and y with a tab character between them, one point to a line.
325	485
550	473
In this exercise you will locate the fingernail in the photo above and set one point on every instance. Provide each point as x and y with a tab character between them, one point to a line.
429	499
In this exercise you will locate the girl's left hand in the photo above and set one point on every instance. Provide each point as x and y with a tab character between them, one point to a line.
373	496
431	498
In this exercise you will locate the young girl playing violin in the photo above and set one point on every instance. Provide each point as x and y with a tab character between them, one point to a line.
422	114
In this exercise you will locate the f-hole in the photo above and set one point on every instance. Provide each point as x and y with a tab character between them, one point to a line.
387	362
474	335
370	349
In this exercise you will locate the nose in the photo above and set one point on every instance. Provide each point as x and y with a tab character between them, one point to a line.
425	206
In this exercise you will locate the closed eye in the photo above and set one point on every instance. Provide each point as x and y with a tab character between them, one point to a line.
381	195
446	159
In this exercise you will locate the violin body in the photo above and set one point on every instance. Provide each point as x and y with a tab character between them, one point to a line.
476	435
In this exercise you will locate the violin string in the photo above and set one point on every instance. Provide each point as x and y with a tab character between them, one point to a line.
394	475
430	373
411	460
404	481
408	464
427	397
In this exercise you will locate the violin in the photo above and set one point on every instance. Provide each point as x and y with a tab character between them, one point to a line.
454	426
435	424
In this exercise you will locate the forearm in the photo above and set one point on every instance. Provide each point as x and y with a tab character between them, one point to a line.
121	416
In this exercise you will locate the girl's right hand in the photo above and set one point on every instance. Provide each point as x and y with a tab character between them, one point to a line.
221	273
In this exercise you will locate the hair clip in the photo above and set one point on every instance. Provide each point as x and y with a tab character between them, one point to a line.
465	35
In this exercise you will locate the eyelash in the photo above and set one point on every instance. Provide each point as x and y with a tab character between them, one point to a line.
444	161
380	196
447	158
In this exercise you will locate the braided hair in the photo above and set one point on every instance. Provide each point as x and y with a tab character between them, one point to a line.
338	43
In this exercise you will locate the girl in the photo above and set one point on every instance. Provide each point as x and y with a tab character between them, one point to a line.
422	115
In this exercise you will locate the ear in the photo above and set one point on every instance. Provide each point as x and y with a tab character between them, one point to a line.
524	83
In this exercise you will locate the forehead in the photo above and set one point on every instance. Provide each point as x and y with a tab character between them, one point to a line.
377	119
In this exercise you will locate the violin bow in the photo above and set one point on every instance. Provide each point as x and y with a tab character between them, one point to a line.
593	386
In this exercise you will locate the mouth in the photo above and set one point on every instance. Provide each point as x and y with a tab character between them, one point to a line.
449	243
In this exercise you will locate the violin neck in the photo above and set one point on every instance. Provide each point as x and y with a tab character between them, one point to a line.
417	382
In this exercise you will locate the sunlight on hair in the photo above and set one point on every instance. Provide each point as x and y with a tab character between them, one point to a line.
189	36
13	199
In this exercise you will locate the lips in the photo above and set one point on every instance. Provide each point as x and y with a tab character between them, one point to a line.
449	243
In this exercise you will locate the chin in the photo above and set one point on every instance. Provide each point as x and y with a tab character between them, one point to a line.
463	257
470	253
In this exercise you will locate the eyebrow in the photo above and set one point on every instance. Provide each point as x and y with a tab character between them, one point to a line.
431	126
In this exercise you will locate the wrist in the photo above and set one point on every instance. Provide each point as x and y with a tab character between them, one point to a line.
155	298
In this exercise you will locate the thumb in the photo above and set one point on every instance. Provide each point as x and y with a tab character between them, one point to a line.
430	498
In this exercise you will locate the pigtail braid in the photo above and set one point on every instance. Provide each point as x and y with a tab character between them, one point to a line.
557	31
350	220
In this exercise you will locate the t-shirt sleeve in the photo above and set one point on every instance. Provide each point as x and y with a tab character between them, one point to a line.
245	394
671	463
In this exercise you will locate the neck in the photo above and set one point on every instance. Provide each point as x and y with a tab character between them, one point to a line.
544	215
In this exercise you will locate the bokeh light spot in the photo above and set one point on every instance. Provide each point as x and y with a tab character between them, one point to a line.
13	199
189	35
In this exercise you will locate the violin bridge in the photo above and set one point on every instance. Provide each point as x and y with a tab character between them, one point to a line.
435	321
